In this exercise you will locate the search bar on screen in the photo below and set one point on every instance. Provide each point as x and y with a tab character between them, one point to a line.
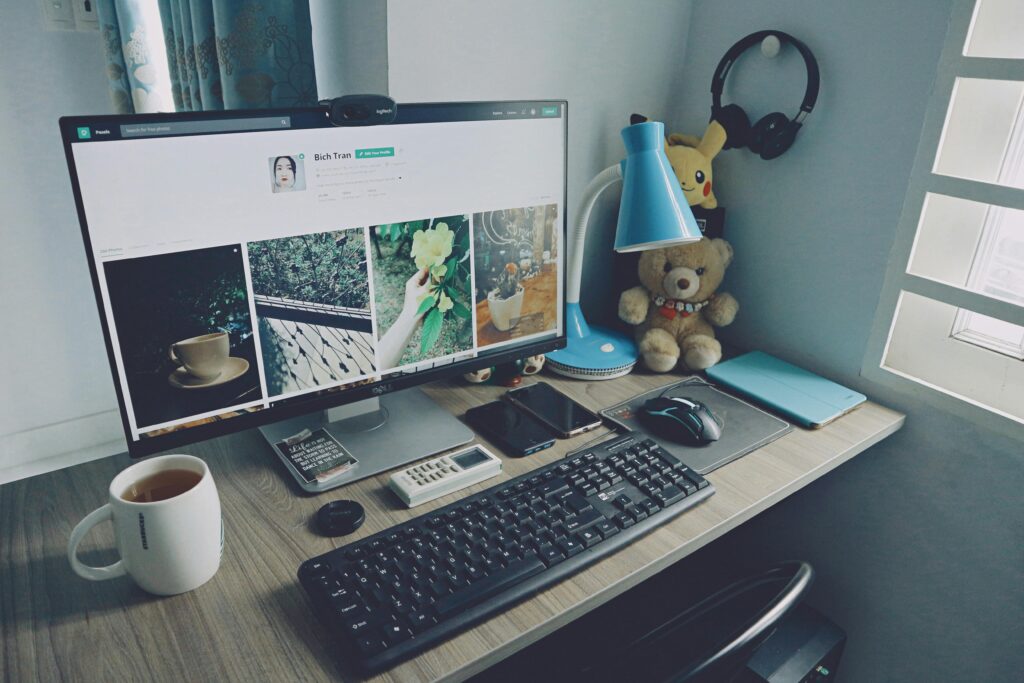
149	130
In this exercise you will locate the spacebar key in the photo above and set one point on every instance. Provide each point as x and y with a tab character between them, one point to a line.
489	586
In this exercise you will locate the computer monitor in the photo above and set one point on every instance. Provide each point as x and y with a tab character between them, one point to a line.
252	268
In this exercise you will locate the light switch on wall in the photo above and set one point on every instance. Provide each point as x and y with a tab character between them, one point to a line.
85	15
70	15
58	15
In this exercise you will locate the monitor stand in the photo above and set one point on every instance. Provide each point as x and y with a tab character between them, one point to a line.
381	433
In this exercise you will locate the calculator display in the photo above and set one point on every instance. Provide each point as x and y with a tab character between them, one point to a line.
470	459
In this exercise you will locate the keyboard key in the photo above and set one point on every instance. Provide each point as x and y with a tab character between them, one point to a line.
686	485
395	633
550	554
360	627
421	620
700	481
316	568
370	644
582	520
551	486
590	537
606	528
571	546
576	503
495	583
669	495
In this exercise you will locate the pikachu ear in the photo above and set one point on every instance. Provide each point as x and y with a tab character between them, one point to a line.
680	139
713	140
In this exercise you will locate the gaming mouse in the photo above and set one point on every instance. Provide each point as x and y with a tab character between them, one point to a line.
682	419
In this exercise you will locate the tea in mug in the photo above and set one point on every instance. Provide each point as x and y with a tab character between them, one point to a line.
161	486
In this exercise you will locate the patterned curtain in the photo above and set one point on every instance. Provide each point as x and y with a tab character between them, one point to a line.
215	54
227	54
136	67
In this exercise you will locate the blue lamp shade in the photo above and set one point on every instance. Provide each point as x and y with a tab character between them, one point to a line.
653	212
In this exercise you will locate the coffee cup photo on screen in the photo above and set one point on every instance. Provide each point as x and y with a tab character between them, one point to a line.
422	272
185	333
516	258
287	173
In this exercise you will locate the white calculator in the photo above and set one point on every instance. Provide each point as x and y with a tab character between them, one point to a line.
441	476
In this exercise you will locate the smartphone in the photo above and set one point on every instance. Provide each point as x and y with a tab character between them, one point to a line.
564	416
515	432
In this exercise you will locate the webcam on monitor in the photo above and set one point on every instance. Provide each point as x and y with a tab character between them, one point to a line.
361	110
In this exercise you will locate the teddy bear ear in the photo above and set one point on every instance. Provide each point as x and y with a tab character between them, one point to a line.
724	249
713	141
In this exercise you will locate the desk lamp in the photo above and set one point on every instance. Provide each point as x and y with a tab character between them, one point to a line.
652	214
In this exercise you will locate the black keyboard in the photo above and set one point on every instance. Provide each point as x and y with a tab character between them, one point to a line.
398	592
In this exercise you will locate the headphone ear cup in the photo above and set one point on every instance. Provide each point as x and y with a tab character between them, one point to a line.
762	133
780	142
736	124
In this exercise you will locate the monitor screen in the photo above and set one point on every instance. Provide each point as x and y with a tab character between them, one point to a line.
251	266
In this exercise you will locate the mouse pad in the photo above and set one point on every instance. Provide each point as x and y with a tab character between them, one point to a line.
745	427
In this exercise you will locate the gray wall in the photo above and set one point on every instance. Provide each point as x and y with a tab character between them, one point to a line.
350	46
607	61
53	361
919	542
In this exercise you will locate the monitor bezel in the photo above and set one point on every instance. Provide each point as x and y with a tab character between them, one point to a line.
174	439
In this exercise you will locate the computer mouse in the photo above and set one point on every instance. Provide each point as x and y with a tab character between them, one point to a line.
340	517
682	419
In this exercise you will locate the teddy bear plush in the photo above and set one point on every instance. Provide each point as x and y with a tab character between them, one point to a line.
677	304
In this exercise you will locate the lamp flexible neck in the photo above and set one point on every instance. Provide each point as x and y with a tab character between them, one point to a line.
578	236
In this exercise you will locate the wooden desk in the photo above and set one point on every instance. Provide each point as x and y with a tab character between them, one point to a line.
252	621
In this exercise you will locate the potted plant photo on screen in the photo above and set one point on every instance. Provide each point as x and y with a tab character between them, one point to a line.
505	301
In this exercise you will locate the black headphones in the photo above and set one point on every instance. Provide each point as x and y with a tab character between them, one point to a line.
774	133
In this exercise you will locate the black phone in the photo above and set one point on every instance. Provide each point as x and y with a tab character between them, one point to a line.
560	413
515	432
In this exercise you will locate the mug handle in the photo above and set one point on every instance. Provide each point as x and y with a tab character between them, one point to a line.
85	571
174	358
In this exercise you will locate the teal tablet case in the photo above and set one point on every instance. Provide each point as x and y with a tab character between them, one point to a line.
803	397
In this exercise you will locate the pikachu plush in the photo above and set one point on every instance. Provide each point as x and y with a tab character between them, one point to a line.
691	160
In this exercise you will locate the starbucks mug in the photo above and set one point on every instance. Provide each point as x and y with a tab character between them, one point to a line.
167	523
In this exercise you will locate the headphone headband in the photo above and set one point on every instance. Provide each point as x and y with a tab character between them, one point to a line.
730	57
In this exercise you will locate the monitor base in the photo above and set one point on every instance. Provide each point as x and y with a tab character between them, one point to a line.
405	426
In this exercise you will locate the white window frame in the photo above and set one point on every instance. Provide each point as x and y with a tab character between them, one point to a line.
952	64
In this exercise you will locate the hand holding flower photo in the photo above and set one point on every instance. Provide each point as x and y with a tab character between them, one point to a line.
435	276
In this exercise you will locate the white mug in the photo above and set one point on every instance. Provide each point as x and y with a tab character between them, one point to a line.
167	546
203	356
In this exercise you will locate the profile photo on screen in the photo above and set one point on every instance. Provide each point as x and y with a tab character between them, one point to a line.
287	173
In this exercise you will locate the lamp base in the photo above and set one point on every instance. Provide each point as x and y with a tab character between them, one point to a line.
599	354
